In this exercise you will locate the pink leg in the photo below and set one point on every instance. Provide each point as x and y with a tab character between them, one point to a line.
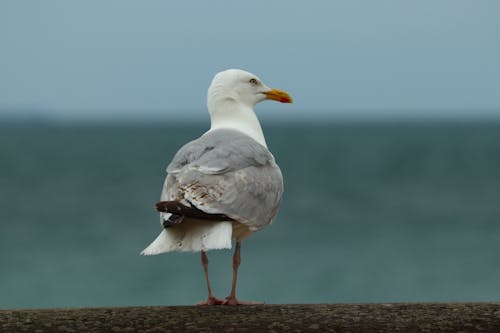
231	299
211	300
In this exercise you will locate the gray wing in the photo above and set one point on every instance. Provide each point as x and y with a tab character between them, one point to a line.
226	172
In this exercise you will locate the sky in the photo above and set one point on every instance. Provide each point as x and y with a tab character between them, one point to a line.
124	59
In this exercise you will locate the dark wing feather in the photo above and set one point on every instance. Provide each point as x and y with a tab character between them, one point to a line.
177	208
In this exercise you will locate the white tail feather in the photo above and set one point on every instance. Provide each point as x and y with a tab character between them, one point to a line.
192	235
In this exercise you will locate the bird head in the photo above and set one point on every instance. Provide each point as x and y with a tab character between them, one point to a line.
241	87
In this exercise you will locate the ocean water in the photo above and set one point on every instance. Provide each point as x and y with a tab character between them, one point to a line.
371	213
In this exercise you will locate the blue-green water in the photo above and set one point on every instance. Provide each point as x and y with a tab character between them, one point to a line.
371	213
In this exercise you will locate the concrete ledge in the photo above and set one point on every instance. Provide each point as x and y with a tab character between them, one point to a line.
399	317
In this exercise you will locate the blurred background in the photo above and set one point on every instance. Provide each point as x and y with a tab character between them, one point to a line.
390	153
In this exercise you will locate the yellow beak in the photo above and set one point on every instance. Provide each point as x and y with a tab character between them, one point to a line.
278	95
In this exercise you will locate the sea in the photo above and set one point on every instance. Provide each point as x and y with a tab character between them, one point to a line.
372	212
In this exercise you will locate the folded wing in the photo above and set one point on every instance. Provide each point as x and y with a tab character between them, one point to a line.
226	172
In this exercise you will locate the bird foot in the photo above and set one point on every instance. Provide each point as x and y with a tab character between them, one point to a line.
235	301
211	301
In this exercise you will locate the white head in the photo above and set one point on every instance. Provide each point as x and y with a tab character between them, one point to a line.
231	98
236	86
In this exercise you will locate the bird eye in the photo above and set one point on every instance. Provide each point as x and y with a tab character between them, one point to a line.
253	82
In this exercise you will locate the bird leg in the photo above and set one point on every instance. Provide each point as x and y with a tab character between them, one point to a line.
211	300
231	299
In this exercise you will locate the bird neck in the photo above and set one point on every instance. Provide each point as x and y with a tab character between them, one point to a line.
238	117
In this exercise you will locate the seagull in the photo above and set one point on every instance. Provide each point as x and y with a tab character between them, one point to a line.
226	184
